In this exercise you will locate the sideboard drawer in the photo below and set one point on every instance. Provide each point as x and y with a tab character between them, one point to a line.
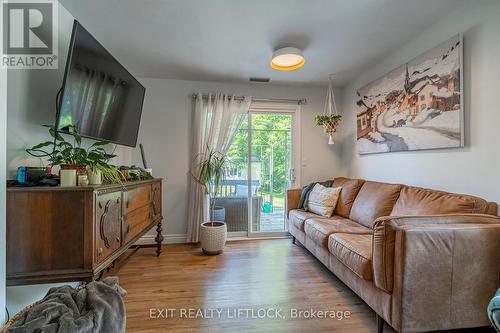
135	222
136	198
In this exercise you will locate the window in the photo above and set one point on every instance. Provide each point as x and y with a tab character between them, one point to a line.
422	97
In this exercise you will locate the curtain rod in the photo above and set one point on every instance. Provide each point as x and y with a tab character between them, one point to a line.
301	101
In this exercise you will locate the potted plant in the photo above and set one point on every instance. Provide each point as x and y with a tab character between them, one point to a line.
211	174
134	173
71	156
328	121
98	168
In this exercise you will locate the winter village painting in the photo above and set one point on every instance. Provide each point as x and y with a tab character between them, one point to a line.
416	106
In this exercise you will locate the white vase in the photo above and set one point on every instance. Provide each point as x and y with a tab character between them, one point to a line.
213	236
67	177
95	177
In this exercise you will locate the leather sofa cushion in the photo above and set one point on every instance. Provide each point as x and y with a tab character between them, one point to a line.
350	188
318	229
420	201
354	251
492	208
373	201
298	216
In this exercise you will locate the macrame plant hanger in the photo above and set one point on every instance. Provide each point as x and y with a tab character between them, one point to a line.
330	127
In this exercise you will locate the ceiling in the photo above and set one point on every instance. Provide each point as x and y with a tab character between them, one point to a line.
232	40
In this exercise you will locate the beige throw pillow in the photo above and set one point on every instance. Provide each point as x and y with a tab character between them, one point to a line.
323	200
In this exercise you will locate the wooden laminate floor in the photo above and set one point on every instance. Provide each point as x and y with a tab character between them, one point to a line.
269	277
183	290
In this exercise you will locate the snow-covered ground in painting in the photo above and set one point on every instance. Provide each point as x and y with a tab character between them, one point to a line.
438	132
366	146
449	121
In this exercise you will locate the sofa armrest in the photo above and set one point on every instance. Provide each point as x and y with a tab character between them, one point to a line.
385	233
441	270
292	199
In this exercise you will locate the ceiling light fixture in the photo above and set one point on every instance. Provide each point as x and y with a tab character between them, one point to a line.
287	59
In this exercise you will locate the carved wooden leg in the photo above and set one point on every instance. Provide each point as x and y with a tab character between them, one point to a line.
380	324
158	239
293	240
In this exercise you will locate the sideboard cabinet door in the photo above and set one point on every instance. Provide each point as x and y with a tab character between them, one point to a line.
108	225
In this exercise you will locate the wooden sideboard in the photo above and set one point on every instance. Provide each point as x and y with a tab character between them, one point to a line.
59	234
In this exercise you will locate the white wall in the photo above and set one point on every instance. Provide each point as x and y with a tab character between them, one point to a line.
473	169
166	134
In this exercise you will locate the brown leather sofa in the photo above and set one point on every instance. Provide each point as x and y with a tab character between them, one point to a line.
422	259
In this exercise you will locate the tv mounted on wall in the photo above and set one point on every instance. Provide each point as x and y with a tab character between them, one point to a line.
100	98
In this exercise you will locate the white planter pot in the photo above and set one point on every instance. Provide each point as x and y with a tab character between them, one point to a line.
95	177
67	177
213	237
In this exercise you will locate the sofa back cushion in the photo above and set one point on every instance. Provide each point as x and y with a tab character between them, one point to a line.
373	201
421	201
350	188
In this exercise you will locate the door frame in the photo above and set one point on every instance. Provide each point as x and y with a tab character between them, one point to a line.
284	109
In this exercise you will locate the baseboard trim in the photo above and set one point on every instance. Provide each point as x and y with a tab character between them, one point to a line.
181	239
167	239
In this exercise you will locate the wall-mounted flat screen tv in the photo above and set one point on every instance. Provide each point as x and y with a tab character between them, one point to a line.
100	98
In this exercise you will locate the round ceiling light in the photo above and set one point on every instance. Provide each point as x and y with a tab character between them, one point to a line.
287	59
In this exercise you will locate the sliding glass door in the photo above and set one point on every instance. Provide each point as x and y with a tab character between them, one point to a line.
263	164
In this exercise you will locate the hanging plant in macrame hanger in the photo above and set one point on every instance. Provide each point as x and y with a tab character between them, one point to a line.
330	118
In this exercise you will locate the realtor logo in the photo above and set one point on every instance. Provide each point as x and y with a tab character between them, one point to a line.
29	34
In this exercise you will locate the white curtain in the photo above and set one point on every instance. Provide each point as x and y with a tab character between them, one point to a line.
216	120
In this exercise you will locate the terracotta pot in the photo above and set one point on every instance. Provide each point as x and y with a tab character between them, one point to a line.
124	174
81	170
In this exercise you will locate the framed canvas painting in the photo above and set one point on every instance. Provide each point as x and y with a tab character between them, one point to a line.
416	106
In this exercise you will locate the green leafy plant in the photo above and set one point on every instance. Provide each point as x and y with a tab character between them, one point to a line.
328	121
137	174
212	167
63	151
110	173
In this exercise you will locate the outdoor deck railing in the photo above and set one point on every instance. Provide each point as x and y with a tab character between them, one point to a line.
228	188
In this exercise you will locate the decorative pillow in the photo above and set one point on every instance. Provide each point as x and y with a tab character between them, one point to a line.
304	194
323	200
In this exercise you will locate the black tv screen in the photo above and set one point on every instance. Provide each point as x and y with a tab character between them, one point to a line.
99	96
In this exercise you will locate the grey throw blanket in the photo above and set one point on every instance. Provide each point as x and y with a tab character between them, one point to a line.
94	307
